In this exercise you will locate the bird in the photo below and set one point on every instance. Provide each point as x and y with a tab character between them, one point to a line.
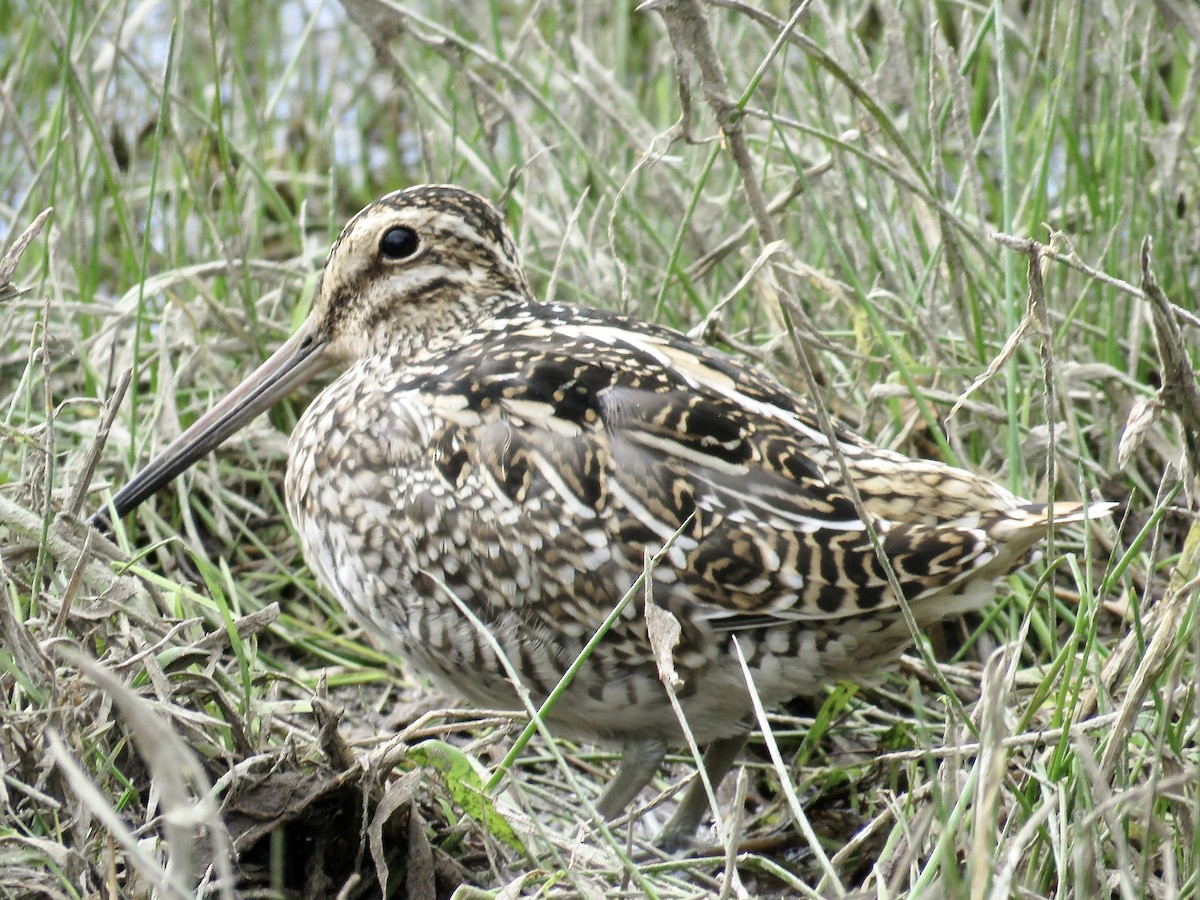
487	458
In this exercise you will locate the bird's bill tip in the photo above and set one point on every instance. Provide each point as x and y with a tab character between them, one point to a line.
300	358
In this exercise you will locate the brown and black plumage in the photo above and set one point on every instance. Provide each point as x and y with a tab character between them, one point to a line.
523	458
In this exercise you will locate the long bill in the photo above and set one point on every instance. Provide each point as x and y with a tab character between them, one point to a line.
300	358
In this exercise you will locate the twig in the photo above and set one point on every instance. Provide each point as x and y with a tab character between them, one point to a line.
1071	258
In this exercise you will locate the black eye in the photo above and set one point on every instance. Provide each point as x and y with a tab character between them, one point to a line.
398	243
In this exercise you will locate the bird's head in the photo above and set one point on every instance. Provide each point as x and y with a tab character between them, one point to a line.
411	271
408	277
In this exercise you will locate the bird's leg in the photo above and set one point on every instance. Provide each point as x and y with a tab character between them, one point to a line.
681	827
639	761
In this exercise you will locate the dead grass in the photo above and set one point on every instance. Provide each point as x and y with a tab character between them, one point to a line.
900	191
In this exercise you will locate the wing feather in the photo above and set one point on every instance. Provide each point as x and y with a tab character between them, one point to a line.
630	435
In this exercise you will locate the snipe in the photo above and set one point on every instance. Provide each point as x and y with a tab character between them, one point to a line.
523	456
